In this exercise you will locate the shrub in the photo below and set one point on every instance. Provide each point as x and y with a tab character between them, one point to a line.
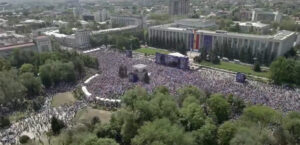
56	125
256	67
24	139
4	122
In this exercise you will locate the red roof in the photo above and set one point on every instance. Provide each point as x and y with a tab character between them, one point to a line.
16	46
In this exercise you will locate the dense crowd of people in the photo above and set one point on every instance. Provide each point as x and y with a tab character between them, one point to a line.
40	122
109	85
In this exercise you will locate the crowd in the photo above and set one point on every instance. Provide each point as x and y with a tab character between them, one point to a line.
109	85
39	122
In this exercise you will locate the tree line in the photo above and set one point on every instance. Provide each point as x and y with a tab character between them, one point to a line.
192	117
123	41
26	74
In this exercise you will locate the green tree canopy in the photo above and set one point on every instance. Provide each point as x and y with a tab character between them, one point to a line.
220	107
32	84
262	115
27	67
281	70
193	116
162	132
190	91
226	132
99	141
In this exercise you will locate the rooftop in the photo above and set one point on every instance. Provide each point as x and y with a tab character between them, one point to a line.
17	46
254	24
177	54
139	66
32	21
281	35
196	23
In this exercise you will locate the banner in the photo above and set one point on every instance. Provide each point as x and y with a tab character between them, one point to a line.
198	42
207	42
195	40
191	41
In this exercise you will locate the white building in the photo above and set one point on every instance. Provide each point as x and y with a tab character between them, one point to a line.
195	23
253	27
82	39
101	15
127	20
267	46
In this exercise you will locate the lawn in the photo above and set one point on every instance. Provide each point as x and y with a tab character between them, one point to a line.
62	98
236	68
16	116
86	115
152	51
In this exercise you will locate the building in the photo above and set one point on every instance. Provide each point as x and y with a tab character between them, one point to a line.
253	27
266	16
11	38
101	15
82	39
195	23
79	40
258	15
43	43
227	44
127	21
39	44
88	17
179	7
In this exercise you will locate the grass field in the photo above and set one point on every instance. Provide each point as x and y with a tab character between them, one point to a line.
86	115
16	116
236	68
152	51
62	98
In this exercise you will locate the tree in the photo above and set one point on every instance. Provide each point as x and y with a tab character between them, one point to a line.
256	67
237	104
19	57
105	131
214	57
219	106
105	40
27	68
132	97
10	87
55	72
32	83
56	125
206	135
162	132
226	132
245	136
190	91
296	74
4	122
261	115
4	64
281	70
193	116
292	125
99	141
163	106
45	75
237	27
24	139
